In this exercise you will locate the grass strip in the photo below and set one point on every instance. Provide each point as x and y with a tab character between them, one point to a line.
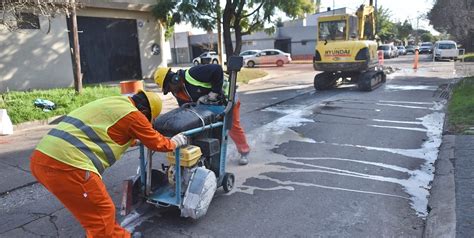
247	74
461	106
20	105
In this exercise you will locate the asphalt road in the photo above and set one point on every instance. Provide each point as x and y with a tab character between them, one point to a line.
336	163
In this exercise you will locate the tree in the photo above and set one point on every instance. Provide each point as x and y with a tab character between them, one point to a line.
456	18
11	10
427	37
247	16
404	30
387	30
239	17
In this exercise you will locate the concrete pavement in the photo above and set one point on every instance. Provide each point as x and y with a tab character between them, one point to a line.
452	190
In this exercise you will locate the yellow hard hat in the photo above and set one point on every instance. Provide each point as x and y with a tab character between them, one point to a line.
160	75
155	103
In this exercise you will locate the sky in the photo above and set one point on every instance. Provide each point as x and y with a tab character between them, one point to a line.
400	10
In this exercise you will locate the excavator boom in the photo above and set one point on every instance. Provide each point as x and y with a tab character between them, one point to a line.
366	18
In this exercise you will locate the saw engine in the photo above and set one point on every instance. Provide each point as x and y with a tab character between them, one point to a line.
190	158
197	182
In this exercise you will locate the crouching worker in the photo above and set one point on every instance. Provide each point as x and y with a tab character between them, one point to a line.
203	83
70	159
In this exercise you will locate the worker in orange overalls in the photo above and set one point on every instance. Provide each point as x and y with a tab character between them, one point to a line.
203	83
70	159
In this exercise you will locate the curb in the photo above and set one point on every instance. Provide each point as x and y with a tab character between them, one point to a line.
441	220
30	124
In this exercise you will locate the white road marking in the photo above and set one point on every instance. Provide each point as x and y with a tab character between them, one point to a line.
400	128
404	106
399	122
407	102
394	87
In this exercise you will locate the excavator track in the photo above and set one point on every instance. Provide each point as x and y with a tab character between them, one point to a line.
325	80
371	80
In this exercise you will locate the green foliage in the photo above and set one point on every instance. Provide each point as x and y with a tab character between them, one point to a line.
387	30
243	16
427	37
20	105
461	106
454	17
404	29
469	57
163	9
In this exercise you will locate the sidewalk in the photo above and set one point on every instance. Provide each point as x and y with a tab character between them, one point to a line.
464	180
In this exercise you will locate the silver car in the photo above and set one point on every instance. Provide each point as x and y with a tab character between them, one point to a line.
401	50
268	56
249	53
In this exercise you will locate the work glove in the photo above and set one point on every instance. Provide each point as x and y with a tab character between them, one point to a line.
210	98
179	140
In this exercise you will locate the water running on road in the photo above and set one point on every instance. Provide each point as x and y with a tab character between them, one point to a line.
270	136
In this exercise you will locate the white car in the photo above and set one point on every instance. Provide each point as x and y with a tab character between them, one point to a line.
249	53
209	57
445	49
268	56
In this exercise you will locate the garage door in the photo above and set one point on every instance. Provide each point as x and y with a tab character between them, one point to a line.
109	49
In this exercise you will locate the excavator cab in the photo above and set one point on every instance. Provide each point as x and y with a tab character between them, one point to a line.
337	28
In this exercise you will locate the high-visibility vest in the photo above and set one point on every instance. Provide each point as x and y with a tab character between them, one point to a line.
194	82
81	138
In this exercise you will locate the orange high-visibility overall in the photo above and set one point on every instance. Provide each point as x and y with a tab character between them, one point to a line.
82	190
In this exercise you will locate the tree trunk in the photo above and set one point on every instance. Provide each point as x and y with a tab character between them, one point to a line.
226	17
161	32
238	37
219	32
77	57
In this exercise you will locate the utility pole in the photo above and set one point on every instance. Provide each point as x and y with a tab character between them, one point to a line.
219	32
417	32
174	47
77	57
376	30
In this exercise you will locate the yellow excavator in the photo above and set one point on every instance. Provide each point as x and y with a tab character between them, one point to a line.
346	50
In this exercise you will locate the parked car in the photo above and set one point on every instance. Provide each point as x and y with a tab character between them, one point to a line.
268	56
445	49
206	58
410	49
395	51
388	51
248	53
426	48
401	50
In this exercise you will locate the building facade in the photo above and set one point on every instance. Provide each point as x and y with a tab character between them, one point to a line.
119	40
297	37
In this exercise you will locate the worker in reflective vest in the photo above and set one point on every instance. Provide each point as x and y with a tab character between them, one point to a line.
203	83
70	159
